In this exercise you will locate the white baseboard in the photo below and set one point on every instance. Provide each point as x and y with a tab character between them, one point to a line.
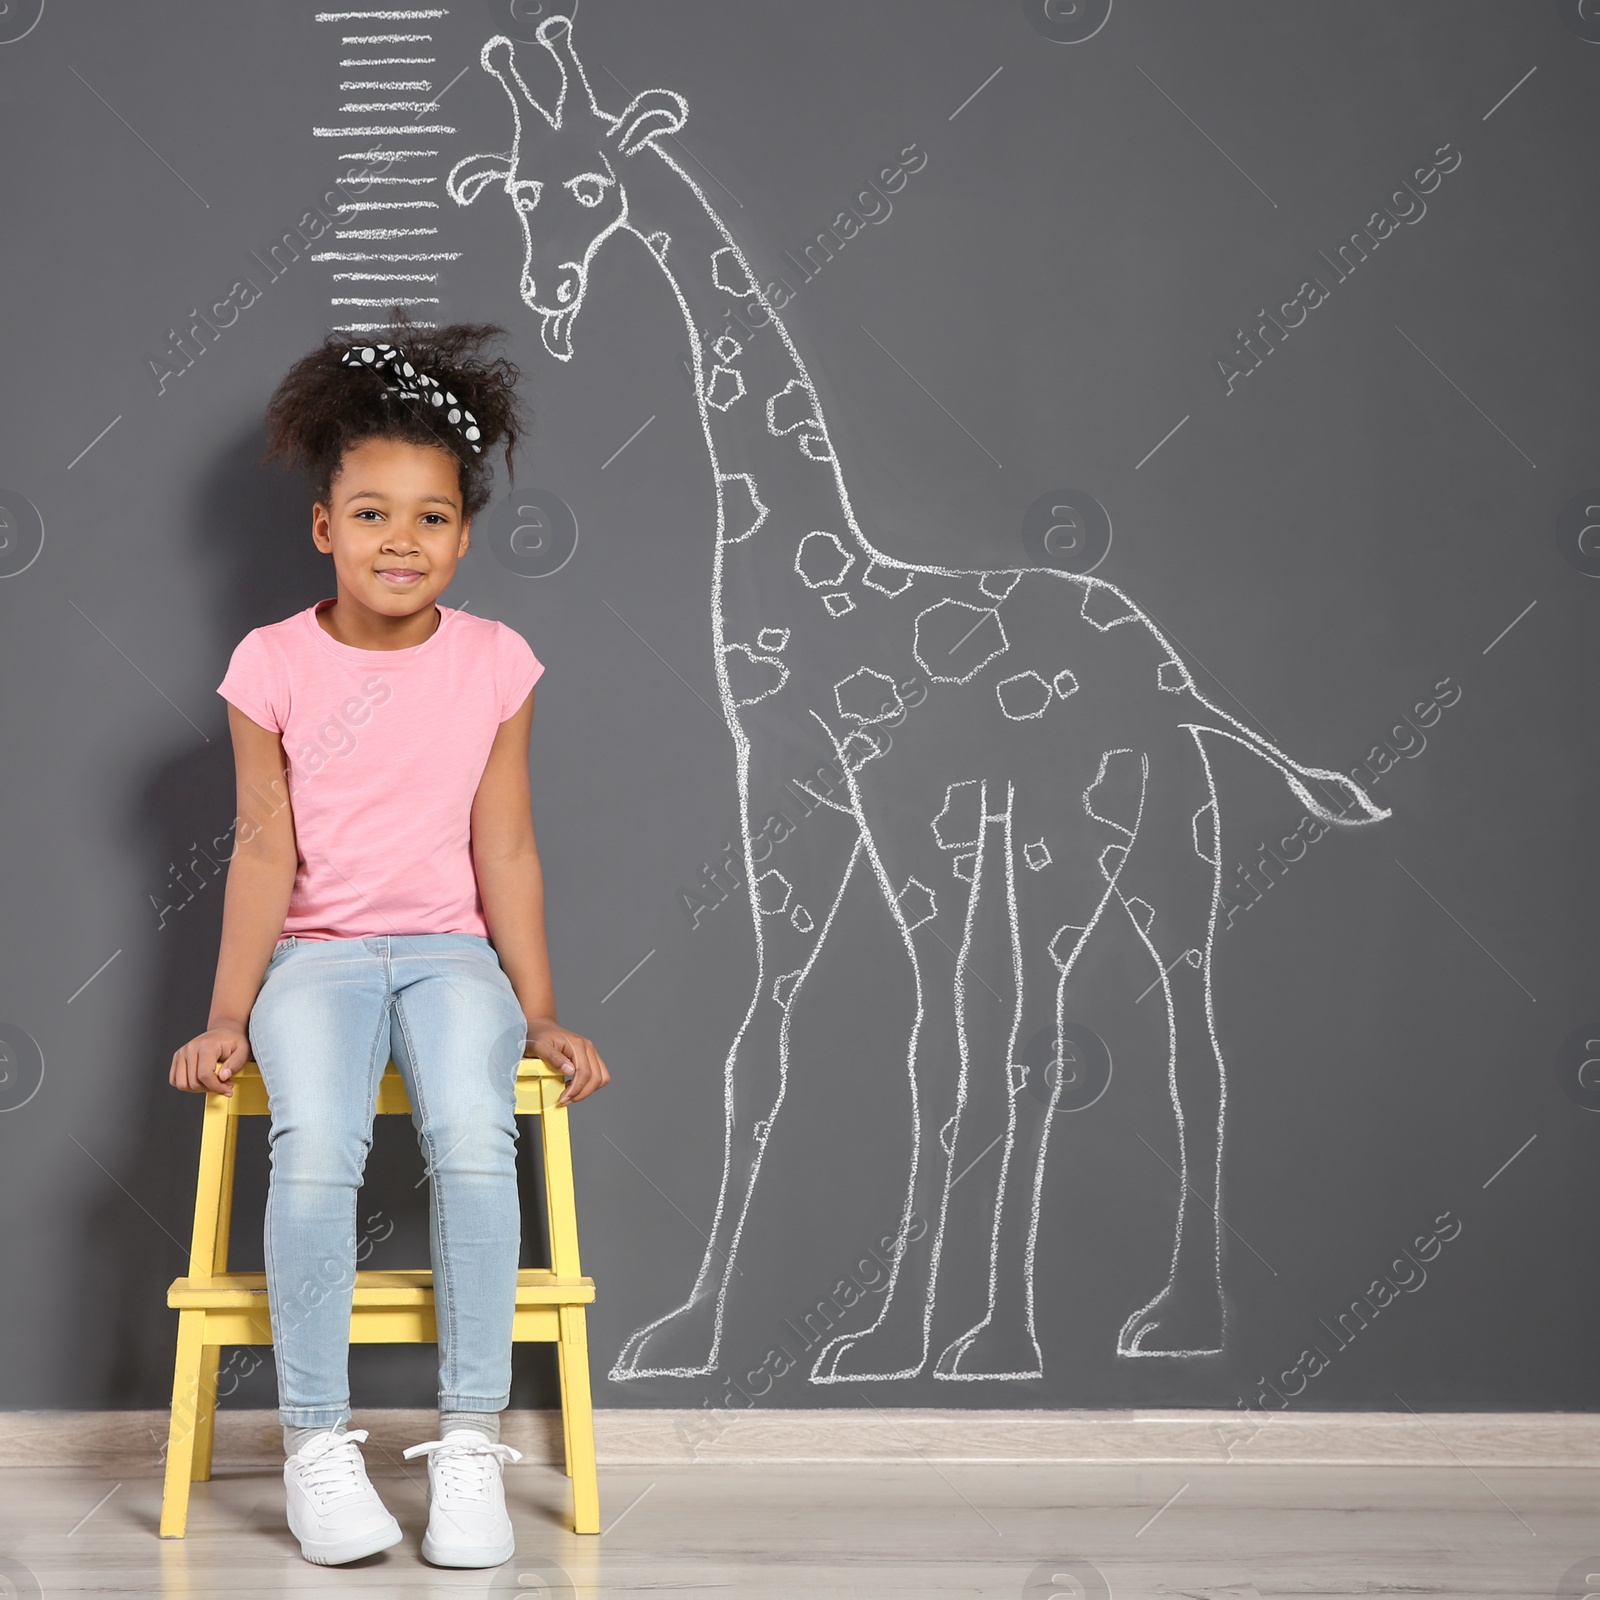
125	1441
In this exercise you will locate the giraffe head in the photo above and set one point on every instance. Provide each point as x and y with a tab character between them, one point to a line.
569	191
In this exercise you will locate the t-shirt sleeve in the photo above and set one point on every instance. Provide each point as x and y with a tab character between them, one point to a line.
520	669
255	682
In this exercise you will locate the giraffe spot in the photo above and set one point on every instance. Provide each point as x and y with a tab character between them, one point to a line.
729	272
752	677
1142	912
1204	823
783	988
954	641
860	748
740	506
814	445
822	560
1111	859
658	242
773	891
800	920
965	866
1016	1077
997	585
916	903
1064	683
1037	855
867	696
1106	606
793	406
1174	676
838	604
726	386
1064	944
726	348
1118	790
960	819
772	638
947	1136
1023	697
886	579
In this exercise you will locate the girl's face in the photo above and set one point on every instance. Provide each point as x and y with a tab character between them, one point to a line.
393	525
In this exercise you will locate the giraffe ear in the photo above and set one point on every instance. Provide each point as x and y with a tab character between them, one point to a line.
470	175
650	114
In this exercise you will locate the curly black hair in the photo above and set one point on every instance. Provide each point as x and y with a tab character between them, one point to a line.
322	407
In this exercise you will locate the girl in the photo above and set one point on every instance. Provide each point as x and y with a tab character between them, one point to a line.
384	898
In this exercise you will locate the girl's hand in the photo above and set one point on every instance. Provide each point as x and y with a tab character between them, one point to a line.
195	1065
570	1054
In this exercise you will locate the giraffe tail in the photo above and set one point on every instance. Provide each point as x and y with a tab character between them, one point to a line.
1355	805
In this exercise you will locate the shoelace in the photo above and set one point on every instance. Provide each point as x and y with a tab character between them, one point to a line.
465	1466
331	1466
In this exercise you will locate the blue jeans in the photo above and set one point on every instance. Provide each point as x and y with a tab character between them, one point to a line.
329	1015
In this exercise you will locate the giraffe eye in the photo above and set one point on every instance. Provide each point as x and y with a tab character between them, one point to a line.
526	194
589	188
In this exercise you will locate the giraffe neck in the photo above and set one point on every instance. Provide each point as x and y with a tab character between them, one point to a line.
721	299
776	479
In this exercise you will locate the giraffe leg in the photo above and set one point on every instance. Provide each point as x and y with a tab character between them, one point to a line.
937	922
1170	890
1003	1343
790	928
1079	883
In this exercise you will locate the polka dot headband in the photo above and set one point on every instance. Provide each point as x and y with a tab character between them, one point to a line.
411	384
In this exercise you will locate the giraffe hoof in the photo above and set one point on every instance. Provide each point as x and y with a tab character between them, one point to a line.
988	1352
682	1344
847	1358
1174	1324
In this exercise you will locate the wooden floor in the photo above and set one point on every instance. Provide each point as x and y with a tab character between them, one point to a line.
839	1532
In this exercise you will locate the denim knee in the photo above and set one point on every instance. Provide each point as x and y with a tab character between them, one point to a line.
471	1142
317	1156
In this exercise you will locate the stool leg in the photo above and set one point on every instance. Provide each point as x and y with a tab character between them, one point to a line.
573	1359
566	1410
206	1411
182	1426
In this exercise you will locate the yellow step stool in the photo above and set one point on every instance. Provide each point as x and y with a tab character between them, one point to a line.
217	1307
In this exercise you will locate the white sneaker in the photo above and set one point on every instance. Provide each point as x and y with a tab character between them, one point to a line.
334	1511
467	1521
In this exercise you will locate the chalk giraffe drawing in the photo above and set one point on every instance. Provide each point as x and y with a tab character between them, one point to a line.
1060	755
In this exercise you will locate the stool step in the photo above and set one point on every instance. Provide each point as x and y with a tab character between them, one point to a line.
536	1286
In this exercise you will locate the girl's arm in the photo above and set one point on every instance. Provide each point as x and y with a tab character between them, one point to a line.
511	886
261	873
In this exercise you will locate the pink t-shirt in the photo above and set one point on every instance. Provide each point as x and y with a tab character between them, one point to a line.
385	751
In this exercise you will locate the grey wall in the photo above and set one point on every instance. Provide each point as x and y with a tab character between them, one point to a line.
1387	511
